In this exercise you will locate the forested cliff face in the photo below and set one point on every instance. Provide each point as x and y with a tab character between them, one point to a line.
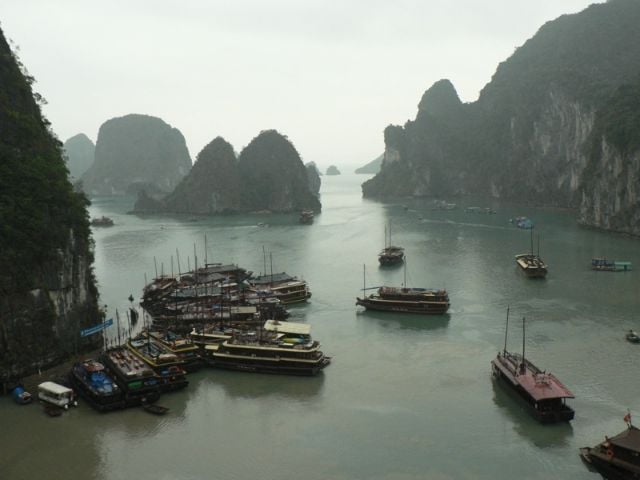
268	175
47	288
546	130
137	151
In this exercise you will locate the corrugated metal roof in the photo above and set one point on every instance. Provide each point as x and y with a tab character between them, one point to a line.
287	327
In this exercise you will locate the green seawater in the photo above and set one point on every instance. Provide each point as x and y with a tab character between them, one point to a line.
406	397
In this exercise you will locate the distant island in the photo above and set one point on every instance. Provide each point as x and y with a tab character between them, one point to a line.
135	152
333	170
79	153
372	167
558	125
268	176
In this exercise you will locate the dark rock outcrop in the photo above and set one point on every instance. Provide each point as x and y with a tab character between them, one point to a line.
268	175
80	153
333	170
313	176
47	288
213	185
372	167
546	130
274	176
137	149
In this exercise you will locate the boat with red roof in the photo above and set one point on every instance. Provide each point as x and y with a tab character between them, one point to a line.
542	392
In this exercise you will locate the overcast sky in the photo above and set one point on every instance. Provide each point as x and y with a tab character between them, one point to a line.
331	75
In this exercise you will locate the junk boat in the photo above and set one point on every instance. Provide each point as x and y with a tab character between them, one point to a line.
425	301
59	396
134	377
181	347
277	347
604	265
95	385
531	264
390	255
543	394
167	366
618	457
282	286
102	222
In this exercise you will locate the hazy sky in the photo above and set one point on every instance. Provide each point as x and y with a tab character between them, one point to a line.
331	75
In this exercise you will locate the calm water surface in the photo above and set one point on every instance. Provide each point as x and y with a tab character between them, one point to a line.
405	397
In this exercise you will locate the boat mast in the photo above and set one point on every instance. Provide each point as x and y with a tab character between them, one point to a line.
538	245
405	273
523	334
506	329
364	278
531	240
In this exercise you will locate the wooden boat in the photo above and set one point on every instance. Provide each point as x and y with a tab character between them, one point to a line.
57	395
390	255
155	409
102	222
284	287
616	457
632	337
306	217
21	396
278	347
168	367
425	301
541	392
96	386
531	264
134	377
604	265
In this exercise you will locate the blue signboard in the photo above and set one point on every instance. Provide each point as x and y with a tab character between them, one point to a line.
96	328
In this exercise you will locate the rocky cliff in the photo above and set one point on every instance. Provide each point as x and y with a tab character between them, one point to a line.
372	167
333	170
539	132
213	184
137	151
80	152
313	176
274	176
268	175
47	288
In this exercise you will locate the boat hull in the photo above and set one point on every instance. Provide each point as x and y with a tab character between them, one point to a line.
264	366
419	308
605	466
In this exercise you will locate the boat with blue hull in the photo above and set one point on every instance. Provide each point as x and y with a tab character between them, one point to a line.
96	386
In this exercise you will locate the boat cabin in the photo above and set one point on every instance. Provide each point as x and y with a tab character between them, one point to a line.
56	394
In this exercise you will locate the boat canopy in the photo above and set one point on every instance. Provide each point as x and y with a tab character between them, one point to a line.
543	386
269	279
629	439
54	388
287	327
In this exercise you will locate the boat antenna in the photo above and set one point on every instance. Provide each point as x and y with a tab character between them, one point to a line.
271	263
118	325
155	264
205	250
538	245
506	330
178	258
364	278
264	260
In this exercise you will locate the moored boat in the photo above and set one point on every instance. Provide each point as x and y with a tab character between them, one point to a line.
390	255
617	457
604	265
277	347
541	392
95	385
168	367
136	379
426	301
102	222
286	288
59	396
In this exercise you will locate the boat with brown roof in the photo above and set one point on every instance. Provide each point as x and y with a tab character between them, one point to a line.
543	394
